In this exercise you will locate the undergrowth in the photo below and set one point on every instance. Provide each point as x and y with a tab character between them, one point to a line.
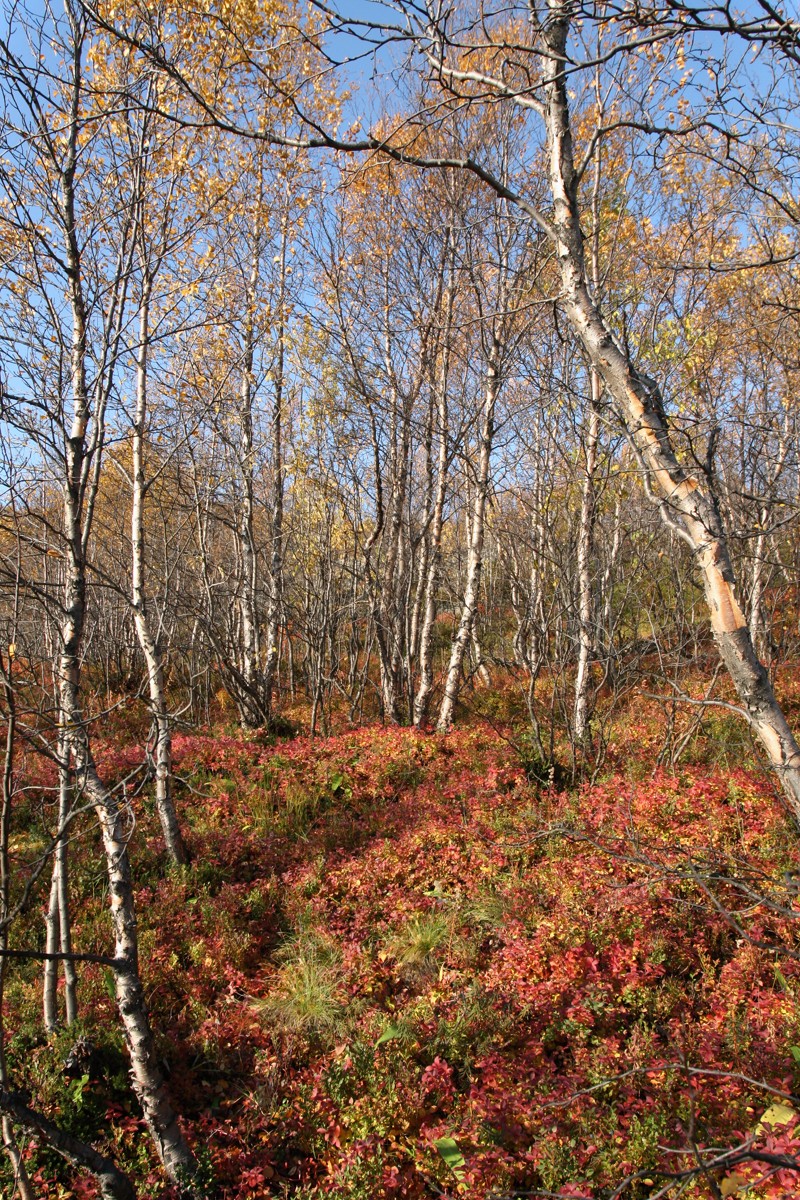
402	965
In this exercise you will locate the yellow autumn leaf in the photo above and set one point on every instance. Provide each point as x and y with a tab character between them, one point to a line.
776	1114
732	1184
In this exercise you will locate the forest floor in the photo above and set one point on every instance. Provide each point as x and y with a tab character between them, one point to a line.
399	966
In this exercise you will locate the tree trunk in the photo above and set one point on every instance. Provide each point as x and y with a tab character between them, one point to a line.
148	1082
22	1183
80	487
113	1184
481	670
58	931
422	698
686	503
476	537
276	557
423	546
165	806
756	622
50	972
387	612
251	712
584	564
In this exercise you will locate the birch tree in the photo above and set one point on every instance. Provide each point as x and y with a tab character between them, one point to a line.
472	61
49	103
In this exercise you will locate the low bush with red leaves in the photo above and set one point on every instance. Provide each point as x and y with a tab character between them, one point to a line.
397	968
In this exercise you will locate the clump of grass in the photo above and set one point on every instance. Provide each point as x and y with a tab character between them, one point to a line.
422	941
308	1000
488	911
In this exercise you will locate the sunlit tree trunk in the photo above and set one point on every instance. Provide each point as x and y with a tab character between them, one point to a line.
81	478
165	805
685	501
434	567
276	530
59	935
251	711
586	599
476	539
584	572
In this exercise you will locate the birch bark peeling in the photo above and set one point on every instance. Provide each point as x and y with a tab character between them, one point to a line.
685	502
726	615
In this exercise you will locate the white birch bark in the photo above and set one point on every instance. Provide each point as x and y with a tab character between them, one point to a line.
685	501
758	576
588	493
80	486
165	806
424	691
58	932
476	539
273	623
251	711
584	570
387	607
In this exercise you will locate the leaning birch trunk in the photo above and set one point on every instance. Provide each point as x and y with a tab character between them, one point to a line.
113	1184
146	1075
148	1082
165	805
475	557
685	502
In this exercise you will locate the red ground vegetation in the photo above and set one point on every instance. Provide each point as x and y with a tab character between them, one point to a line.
398	968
